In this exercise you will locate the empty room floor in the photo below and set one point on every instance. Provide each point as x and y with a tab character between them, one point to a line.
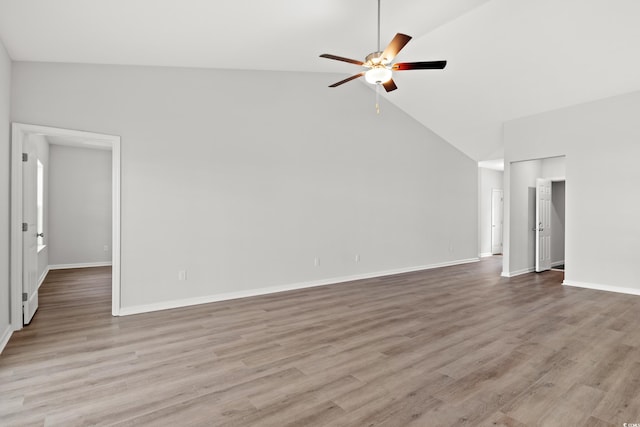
449	346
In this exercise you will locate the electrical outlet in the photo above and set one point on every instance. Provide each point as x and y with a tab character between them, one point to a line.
105	248
357	258
316	261
182	275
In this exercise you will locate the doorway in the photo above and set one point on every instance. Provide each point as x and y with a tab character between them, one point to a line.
557	224
549	224
521	255
22	285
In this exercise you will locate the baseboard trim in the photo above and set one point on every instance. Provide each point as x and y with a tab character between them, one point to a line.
6	335
43	276
599	287
486	254
167	305
80	265
517	272
557	263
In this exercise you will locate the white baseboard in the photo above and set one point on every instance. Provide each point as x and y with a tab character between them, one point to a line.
80	265
518	272
557	263
4	338
44	276
166	305
599	287
485	254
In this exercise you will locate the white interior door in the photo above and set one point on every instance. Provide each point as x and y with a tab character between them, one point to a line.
497	209
543	224
30	233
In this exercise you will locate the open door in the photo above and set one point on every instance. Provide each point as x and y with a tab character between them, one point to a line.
497	208
543	224
30	233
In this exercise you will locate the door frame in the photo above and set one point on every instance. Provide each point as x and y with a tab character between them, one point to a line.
19	132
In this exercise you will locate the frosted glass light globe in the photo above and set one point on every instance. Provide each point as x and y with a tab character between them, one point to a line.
378	75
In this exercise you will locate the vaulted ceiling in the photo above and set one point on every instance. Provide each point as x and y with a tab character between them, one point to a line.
506	58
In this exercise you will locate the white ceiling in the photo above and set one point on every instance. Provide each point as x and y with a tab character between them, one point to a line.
506	58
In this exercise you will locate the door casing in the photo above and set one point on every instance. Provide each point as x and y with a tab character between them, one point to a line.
19	132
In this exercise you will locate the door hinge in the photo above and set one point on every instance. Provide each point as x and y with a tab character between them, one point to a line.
25	226
25	157
25	297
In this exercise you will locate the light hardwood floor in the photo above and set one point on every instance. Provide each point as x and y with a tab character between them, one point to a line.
450	346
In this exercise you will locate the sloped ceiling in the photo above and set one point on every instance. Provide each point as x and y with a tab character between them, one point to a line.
506	58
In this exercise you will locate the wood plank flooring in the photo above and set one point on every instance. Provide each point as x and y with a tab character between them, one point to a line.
455	346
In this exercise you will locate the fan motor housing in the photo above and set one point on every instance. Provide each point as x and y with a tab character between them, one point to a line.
375	58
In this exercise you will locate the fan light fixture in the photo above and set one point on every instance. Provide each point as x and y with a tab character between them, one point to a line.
378	75
379	64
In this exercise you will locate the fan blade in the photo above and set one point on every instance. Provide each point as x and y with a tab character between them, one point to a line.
348	79
424	65
389	85
340	58
398	42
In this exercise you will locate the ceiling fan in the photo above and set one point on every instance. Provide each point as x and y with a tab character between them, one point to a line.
379	63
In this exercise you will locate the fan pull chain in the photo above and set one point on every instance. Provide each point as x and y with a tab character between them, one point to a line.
377	99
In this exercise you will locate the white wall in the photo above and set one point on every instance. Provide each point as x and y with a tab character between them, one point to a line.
557	222
242	178
80	210
554	167
5	166
488	180
601	141
522	201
